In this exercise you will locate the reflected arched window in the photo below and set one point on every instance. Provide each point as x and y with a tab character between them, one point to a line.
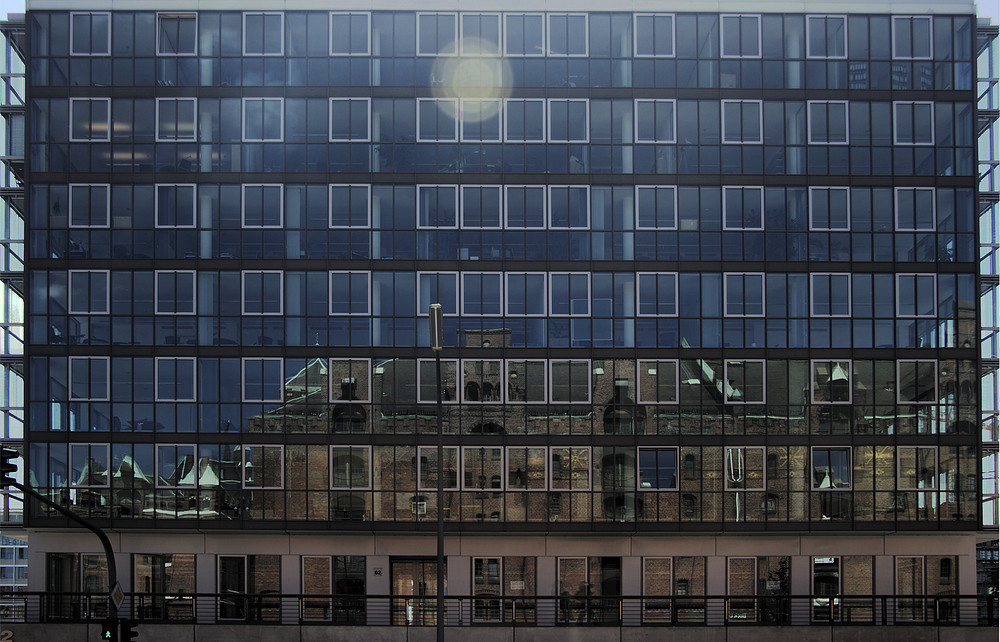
349	418
349	471
349	507
618	420
690	467
487	428
689	505
622	507
618	471
556	466
945	570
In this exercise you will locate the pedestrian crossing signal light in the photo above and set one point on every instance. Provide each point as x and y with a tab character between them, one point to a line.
109	630
128	631
7	466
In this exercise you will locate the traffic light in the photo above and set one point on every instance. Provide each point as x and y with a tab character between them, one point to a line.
128	631
109	630
7	466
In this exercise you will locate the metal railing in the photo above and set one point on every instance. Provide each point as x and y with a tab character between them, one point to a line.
520	611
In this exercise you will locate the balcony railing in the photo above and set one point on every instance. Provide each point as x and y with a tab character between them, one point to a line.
520	611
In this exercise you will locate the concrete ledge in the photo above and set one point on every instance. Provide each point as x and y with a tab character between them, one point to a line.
309	633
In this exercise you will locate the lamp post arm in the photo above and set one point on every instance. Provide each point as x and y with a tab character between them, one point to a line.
109	552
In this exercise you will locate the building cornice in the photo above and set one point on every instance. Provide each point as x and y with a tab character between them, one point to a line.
720	6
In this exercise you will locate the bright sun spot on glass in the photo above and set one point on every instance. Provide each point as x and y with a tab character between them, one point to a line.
476	80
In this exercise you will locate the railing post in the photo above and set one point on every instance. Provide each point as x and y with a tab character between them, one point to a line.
800	610
716	611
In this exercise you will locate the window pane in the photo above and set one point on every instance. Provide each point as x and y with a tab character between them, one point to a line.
429	467
437	206
831	468
525	207
481	206
525	120
349	119
349	34
350	467
349	293
175	379
349	205
176	34
524	34
655	208
654	35
438	288
526	381
175	205
262	380
658	468
526	468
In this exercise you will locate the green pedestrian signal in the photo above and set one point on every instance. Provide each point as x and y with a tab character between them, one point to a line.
109	630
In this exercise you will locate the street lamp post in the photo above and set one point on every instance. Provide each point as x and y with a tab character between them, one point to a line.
7	471
436	327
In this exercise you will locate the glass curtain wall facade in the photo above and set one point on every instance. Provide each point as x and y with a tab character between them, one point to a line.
988	91
13	545
701	274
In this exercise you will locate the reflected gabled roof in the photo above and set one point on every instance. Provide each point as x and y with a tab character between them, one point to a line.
85	476
129	468
207	476
314	374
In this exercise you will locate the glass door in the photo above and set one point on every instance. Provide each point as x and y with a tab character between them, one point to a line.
590	590
826	588
414	590
94	576
573	590
743	589
316	587
910	582
487	587
232	587
61	579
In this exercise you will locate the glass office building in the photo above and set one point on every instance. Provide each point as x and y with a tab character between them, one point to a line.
710	285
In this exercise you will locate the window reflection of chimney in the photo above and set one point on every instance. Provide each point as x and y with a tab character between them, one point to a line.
621	391
348	389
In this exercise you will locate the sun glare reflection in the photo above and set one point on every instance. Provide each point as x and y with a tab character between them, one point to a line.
477	81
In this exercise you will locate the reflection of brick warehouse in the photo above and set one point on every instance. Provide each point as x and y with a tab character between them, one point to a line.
403	393
306	407
399	494
180	575
395	390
